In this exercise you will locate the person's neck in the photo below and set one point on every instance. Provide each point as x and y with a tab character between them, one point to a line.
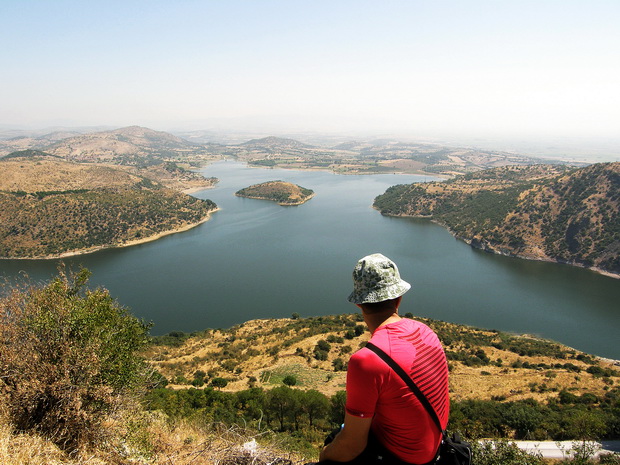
376	321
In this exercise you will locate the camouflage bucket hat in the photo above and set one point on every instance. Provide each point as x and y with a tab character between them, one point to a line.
375	279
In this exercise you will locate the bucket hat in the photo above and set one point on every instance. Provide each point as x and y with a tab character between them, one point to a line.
375	279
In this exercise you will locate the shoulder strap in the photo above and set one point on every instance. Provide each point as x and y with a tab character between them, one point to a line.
407	379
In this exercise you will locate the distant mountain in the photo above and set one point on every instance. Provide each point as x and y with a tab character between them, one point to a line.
46	138
537	212
130	145
276	143
352	145
16	140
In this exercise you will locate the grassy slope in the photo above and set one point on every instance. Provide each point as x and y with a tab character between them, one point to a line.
268	350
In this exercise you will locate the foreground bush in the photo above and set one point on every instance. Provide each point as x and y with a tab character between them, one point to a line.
68	359
503	453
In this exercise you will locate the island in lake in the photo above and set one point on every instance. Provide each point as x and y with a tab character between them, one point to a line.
285	193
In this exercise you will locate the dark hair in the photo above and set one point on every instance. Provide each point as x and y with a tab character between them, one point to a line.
379	307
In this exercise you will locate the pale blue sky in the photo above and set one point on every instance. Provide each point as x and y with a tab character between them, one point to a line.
517	68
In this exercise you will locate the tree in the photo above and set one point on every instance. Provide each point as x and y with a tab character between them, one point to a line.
281	403
68	356
338	402
315	405
219	383
323	345
524	418
290	380
584	424
199	378
252	403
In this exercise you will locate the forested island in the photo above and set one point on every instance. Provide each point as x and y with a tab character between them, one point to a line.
541	212
284	193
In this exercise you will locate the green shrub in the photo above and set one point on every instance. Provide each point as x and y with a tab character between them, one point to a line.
68	357
339	364
219	383
503	453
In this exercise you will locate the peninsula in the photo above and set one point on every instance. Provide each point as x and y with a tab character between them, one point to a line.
539	212
52	208
284	193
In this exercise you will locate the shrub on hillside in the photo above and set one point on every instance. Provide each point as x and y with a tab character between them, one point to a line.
503	453
68	358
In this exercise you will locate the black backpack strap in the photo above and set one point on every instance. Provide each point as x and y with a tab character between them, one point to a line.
407	379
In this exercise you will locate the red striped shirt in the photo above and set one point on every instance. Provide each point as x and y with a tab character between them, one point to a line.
400	422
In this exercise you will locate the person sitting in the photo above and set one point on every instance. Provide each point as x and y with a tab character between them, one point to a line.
384	421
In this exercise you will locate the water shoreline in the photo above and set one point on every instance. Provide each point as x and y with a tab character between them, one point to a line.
284	204
131	243
469	242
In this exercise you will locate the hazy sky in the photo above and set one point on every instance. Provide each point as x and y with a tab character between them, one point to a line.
514	67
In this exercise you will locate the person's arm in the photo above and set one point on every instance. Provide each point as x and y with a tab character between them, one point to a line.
349	442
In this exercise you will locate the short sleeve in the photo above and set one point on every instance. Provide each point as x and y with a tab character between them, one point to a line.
362	385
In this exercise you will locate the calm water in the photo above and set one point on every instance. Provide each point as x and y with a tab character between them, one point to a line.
256	259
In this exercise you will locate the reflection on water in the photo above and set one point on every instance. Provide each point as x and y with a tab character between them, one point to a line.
256	259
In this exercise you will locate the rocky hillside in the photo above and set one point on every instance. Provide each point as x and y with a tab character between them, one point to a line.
537	212
130	145
285	193
50	207
168	159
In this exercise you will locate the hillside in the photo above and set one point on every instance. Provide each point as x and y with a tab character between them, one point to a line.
40	172
276	144
484	365
160	156
11	141
538	212
140	148
50	207
285	193
130	145
374	156
77	388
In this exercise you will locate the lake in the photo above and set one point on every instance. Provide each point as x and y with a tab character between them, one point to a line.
256	259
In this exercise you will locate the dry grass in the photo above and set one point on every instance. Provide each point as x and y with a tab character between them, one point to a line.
50	174
155	442
255	359
482	382
186	443
140	438
26	449
47	174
